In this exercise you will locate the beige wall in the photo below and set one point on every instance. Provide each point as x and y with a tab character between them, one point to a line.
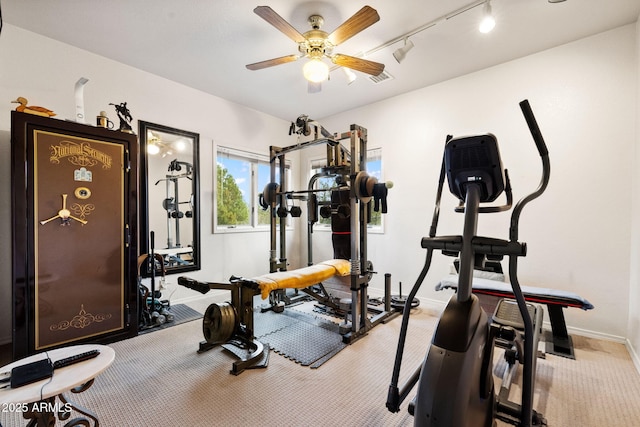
579	232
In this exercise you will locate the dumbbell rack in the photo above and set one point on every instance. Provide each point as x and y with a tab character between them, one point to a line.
155	312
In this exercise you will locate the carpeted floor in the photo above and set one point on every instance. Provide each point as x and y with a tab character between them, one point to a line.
160	379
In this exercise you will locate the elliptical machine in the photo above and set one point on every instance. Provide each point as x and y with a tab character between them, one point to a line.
455	381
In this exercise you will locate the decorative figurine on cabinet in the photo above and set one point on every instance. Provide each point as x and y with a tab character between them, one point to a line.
125	117
31	109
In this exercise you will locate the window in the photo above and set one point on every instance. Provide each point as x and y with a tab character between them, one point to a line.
374	168
240	178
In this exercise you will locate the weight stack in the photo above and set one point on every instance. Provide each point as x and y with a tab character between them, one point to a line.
340	226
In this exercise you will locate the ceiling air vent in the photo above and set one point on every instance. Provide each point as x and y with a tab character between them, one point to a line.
382	77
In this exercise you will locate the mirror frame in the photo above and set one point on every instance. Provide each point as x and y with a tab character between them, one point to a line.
143	128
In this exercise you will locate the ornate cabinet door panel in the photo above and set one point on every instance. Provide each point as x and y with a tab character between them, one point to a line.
74	215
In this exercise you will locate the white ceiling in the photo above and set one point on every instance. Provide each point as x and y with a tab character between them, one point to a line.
205	44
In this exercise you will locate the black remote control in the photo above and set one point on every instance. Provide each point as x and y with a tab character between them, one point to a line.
75	359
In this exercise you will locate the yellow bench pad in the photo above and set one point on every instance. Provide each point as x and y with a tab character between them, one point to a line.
302	277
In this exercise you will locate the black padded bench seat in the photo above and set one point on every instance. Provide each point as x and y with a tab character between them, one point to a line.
559	342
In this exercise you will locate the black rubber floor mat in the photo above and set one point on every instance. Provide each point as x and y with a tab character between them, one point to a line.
181	314
269	322
300	337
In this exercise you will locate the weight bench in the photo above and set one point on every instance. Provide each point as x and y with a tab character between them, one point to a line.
302	277
231	324
558	341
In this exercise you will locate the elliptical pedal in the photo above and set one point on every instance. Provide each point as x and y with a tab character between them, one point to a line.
507	313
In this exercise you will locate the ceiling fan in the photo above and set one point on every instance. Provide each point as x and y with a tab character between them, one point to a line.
316	44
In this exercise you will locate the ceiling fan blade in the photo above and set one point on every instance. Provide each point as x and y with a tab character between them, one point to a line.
362	19
269	15
271	62
358	64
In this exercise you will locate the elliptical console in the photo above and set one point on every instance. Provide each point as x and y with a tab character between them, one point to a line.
474	159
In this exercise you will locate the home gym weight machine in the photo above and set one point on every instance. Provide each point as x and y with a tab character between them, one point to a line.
231	324
455	381
349	208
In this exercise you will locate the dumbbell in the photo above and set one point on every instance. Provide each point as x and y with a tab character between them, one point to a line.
343	211
167	314
158	318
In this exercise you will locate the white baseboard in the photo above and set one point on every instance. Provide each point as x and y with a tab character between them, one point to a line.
634	355
592	334
217	294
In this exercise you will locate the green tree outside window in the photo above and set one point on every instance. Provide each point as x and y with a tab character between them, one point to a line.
232	209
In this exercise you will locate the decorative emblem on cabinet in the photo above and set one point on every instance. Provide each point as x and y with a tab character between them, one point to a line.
79	154
80	320
82	210
83	174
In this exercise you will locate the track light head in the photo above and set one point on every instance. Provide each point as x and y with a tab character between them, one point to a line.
488	22
401	53
351	76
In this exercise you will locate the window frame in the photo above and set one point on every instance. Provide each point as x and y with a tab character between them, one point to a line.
255	160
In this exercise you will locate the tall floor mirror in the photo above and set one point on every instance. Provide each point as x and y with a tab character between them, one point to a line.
169	196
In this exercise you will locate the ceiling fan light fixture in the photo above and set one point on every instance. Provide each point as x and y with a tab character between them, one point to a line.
488	21
315	71
317	44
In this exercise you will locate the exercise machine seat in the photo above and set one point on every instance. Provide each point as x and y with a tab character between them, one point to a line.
533	294
302	277
558	340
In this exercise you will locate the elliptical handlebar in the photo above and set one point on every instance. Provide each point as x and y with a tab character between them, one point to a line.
546	169
533	128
